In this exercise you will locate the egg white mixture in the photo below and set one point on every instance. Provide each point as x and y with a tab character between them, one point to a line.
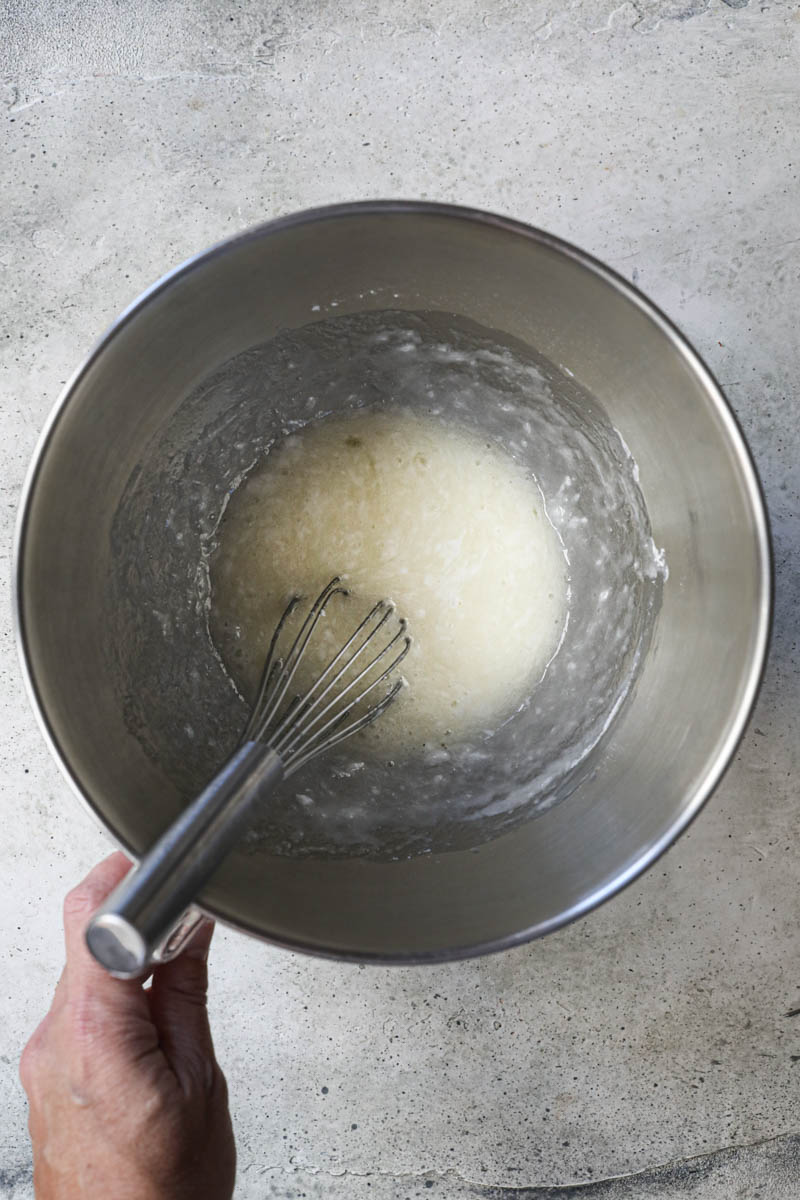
409	508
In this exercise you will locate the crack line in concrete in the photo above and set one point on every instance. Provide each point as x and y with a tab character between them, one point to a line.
542	1191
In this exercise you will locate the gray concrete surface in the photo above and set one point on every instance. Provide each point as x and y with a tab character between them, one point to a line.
656	1044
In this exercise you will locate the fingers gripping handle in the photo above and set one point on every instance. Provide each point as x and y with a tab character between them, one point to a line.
145	920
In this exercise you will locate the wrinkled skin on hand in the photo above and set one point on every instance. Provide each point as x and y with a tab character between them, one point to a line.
127	1101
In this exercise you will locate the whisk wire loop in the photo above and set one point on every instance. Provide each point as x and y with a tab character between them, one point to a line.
310	723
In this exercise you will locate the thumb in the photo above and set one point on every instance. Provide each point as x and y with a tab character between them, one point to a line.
85	981
178	1009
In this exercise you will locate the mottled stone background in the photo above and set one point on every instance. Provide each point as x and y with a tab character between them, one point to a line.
654	1046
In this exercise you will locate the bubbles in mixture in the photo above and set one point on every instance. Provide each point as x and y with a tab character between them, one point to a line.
416	510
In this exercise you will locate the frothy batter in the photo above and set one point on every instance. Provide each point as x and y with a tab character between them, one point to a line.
405	507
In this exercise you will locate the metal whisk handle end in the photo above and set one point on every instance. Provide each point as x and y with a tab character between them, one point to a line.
145	921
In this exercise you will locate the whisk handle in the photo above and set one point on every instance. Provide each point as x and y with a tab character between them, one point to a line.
125	933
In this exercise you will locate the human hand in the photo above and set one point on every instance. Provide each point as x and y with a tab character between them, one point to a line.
127	1101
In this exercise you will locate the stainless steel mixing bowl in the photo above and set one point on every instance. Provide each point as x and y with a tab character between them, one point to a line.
666	750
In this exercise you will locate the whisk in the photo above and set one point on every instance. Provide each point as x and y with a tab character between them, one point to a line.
145	919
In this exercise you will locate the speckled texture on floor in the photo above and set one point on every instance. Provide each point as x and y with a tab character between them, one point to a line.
656	1038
